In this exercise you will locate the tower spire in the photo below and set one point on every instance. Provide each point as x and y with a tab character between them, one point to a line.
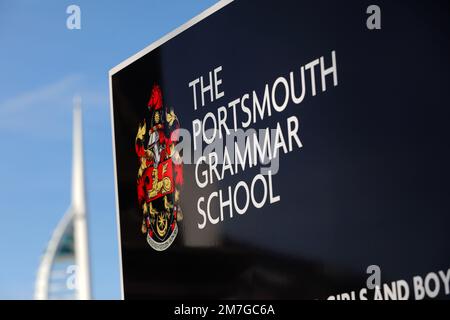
78	206
69	241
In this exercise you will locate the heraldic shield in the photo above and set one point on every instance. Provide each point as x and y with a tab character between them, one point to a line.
160	173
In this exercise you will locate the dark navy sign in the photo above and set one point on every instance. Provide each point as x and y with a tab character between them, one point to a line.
287	149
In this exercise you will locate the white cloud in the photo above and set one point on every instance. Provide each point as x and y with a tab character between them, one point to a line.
42	94
46	110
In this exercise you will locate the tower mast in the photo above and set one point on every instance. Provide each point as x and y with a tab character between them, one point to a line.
69	242
79	206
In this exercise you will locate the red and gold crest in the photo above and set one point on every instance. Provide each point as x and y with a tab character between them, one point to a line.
160	173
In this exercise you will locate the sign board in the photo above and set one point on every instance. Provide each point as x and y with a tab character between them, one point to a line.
294	149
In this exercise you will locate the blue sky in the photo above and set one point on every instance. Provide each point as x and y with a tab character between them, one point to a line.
42	66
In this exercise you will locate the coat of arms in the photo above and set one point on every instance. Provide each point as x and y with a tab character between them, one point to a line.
160	173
